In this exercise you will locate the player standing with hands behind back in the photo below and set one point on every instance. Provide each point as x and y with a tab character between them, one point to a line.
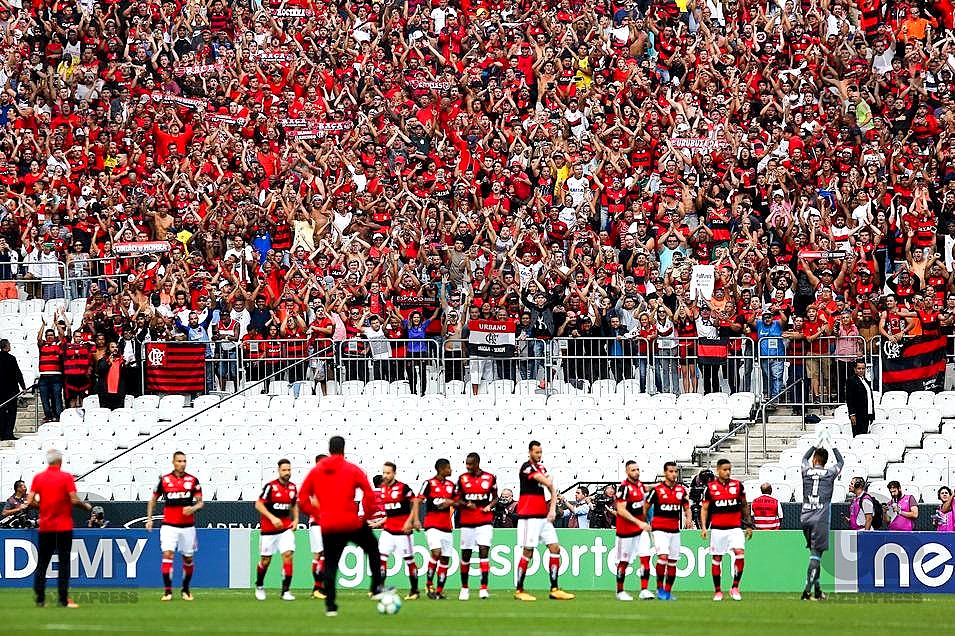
817	486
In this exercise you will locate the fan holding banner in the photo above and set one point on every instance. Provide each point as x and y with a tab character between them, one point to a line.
488	340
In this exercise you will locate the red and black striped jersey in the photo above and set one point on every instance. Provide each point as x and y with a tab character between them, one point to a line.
630	493
279	499
396	502
177	493
726	504
667	506
532	502
436	492
479	490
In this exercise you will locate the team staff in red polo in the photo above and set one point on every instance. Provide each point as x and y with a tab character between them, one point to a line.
54	493
333	482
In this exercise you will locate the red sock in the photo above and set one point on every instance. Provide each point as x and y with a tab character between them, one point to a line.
442	577
661	571
553	568
671	575
716	571
737	570
485	571
287	568
465	571
644	572
521	573
166	569
621	575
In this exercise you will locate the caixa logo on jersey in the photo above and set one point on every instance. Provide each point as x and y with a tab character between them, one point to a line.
917	562
111	557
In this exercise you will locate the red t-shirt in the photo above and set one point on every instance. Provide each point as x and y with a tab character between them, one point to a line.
53	486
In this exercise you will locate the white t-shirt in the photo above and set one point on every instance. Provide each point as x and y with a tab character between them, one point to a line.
528	272
578	189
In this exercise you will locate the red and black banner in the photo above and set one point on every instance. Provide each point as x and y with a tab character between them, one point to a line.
915	364
175	367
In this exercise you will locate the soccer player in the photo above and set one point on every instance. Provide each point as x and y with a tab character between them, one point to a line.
817	486
535	522
182	498
438	495
666	499
633	536
317	547
278	505
477	493
728	517
397	499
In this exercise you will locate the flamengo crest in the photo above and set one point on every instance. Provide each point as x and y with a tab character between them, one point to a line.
156	357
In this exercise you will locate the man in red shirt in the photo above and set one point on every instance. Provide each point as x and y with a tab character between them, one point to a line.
54	493
333	482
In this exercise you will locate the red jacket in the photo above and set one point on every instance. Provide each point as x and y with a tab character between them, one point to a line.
333	483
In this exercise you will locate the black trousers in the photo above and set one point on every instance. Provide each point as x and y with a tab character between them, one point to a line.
335	543
8	419
50	543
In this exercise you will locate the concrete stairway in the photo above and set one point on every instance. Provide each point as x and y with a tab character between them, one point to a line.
781	431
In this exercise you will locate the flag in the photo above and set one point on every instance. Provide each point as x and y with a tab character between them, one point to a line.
175	367
915	364
491	338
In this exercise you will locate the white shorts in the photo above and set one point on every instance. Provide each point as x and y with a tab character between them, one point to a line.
725	541
531	532
628	548
176	539
282	542
315	539
440	540
667	543
481	369
398	544
475	537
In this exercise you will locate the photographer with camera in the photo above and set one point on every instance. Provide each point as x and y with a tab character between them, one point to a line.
505	510
577	512
603	513
16	511
697	490
97	518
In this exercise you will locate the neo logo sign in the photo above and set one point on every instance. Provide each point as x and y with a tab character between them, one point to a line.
930	565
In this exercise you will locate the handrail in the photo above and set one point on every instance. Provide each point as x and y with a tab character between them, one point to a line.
17	396
762	416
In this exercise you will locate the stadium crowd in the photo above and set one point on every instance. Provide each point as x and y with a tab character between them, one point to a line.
329	172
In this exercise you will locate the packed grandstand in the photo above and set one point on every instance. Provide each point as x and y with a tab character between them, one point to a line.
431	223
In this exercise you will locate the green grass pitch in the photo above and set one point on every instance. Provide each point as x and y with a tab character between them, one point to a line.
237	612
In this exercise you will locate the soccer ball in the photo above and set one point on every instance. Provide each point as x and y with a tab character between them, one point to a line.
389	603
